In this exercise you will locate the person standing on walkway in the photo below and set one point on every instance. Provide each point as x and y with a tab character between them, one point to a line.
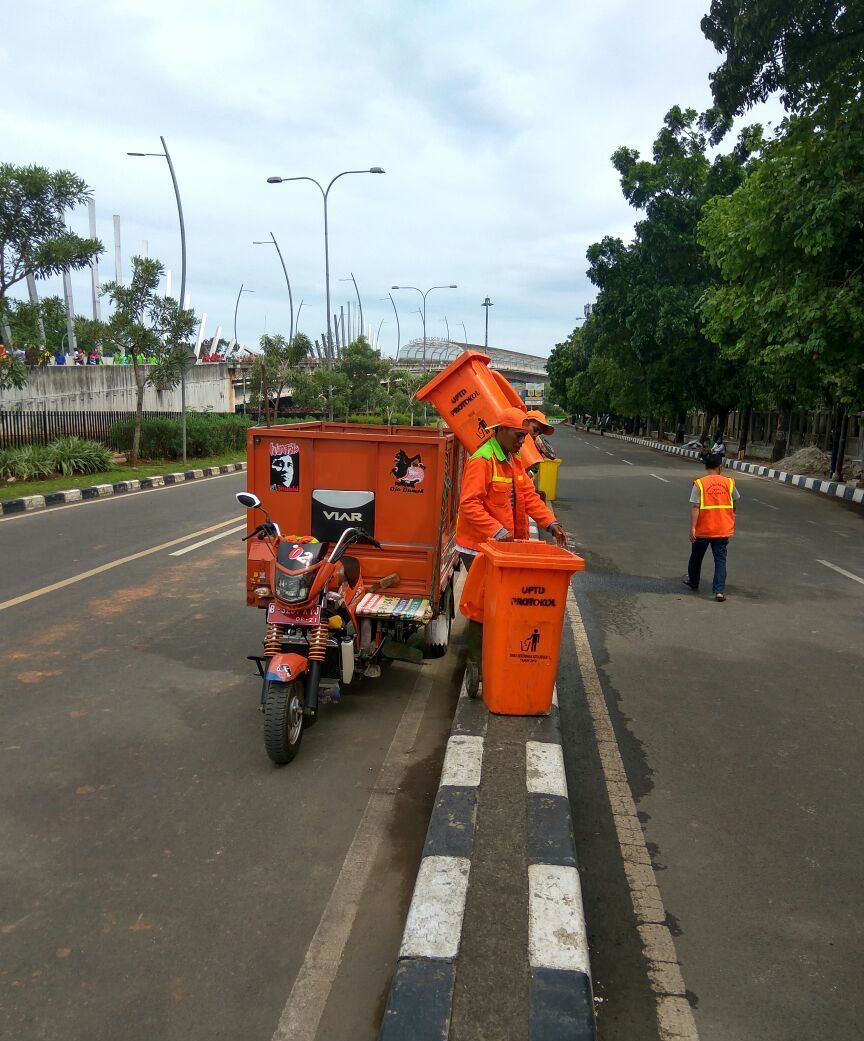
712	523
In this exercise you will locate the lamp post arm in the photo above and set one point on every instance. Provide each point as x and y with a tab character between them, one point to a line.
398	330
288	282
330	185
236	306
359	301
312	179
182	227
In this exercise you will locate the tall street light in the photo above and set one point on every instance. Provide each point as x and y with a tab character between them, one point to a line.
287	279
325	192
236	306
424	295
487	303
165	154
398	330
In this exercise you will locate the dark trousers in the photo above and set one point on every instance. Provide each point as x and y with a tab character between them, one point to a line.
694	565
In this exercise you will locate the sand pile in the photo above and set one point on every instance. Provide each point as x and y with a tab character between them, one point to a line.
812	462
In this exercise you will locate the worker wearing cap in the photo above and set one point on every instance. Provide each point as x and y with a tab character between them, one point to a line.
539	425
497	500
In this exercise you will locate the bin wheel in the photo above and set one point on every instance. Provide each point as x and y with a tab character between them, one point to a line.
472	679
283	720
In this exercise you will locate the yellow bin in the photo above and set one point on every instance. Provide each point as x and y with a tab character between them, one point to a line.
547	478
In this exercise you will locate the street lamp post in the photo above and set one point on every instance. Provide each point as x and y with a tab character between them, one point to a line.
264	242
325	192
165	154
236	306
398	330
487	303
423	312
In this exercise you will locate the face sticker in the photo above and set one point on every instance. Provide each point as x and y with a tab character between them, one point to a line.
408	470
284	467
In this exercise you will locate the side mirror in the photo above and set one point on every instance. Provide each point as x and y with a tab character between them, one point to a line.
248	499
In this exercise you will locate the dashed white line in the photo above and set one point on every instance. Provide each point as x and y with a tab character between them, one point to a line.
204	542
627	461
841	571
842	534
610	453
663	479
763	503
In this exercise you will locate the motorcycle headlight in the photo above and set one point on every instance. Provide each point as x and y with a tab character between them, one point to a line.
293	589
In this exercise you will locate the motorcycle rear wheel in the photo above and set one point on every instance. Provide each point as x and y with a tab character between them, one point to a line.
283	720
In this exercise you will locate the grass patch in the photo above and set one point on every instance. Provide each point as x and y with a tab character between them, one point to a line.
18	489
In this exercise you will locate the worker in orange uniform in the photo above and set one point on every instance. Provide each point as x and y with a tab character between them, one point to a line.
539	425
497	500
712	523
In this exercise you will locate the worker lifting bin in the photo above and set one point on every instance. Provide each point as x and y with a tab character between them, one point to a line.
524	605
547	479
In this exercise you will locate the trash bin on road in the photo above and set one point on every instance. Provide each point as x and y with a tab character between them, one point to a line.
547	478
525	600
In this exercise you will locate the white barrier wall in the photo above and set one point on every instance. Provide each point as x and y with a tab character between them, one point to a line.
104	388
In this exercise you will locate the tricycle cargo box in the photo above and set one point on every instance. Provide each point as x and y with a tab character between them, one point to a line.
399	483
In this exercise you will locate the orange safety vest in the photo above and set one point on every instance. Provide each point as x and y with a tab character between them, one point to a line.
716	507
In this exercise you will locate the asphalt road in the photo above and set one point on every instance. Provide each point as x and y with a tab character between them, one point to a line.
159	878
740	729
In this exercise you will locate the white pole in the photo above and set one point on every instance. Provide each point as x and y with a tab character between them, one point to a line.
201	325
70	311
118	262
94	264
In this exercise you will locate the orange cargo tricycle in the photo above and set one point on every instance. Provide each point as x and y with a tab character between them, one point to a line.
390	495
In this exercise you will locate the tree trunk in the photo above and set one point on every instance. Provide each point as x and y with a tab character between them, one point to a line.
680	420
745	432
722	420
781	434
265	395
139	410
709	418
661	428
839	453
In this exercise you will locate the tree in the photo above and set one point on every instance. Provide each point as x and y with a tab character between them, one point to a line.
788	244
277	367
812	51
33	236
365	370
152	330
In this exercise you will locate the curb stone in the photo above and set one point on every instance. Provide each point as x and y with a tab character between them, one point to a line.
836	489
100	491
420	1002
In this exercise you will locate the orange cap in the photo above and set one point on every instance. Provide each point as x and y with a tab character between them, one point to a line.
545	426
511	417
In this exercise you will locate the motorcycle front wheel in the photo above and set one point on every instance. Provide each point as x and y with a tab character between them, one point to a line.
283	720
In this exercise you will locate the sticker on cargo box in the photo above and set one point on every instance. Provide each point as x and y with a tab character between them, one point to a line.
284	466
409	471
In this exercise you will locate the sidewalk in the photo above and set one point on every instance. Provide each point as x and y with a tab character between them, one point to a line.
836	489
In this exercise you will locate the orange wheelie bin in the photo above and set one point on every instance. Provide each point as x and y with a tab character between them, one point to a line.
525	600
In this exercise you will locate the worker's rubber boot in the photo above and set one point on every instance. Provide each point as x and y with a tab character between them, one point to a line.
474	664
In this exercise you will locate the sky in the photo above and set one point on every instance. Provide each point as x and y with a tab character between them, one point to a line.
494	122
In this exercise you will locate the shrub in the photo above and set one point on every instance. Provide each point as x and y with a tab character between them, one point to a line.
207	434
26	463
76	455
375	420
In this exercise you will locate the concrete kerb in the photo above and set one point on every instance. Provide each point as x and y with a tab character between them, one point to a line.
836	489
99	491
420	1003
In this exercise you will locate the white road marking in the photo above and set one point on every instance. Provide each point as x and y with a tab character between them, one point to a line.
674	1016
556	926
663	479
610	453
205	542
627	461
123	497
463	761
842	534
813	522
109	566
827	563
544	768
434	923
305	1005
768	504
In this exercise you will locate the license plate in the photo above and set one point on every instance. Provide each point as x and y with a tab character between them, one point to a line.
283	616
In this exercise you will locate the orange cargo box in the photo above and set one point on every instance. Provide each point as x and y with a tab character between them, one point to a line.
399	483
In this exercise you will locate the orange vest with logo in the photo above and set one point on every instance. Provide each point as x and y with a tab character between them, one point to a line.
716	507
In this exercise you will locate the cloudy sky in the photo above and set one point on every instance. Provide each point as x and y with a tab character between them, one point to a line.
494	122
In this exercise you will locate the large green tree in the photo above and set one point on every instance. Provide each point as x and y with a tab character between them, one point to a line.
147	325
811	51
34	238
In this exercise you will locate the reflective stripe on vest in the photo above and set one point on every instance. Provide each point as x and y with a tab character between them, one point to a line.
496	474
721	506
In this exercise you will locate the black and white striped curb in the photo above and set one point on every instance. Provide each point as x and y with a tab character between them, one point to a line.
561	1004
420	1004
837	489
101	491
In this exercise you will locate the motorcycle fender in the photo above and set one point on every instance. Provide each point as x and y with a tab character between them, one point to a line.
284	668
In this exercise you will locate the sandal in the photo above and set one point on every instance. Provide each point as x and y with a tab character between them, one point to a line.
686	582
719	597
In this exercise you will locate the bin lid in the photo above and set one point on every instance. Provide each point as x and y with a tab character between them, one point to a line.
525	553
458	362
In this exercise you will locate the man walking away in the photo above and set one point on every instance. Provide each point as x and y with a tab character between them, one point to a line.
712	523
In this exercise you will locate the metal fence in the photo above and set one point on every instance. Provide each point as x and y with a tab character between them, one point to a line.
32	427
